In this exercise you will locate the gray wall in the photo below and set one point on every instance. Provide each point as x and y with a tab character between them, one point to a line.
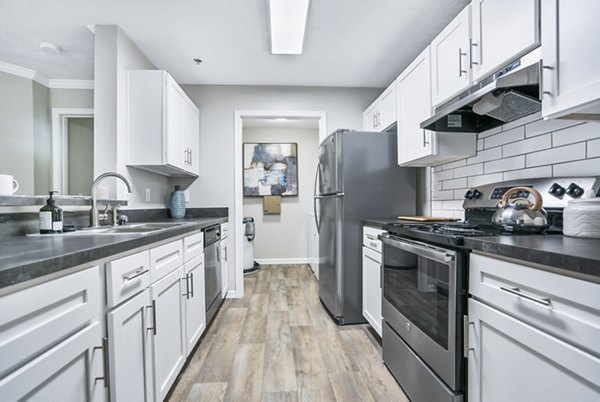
114	54
284	236
26	129
217	104
527	148
16	130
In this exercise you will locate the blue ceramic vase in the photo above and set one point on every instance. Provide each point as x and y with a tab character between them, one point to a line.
177	203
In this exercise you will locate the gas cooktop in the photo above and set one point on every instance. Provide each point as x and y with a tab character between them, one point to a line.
441	233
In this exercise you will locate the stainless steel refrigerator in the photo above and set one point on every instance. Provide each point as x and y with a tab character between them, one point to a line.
357	178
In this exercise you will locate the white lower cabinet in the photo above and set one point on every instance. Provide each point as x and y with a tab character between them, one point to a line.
371	276
510	360
533	335
194	306
169	339
51	342
224	247
130	338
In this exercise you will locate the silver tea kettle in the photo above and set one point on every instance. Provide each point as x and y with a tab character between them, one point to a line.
519	215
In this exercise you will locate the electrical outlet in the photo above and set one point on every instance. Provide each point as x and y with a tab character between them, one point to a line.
147	195
186	193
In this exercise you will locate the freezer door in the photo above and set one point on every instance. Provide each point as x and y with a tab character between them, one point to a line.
330	168
330	253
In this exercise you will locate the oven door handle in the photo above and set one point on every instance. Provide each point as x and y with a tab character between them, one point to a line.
421	249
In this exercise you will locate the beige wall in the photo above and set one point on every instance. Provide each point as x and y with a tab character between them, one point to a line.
284	236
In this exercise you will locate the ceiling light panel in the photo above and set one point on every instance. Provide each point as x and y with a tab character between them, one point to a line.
288	25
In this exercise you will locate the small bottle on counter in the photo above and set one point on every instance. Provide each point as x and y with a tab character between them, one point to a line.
51	217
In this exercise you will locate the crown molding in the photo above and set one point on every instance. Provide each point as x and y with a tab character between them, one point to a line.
71	84
17	70
42	79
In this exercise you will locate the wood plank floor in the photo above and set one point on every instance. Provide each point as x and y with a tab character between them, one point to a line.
279	344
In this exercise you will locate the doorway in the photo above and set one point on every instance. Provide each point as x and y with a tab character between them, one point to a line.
318	119
72	151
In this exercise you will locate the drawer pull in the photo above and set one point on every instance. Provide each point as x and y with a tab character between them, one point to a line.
517	292
370	237
135	275
374	244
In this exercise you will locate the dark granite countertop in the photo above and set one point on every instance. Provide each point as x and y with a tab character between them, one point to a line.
576	256
25	258
379	222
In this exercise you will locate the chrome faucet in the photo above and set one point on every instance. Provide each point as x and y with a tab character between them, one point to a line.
94	222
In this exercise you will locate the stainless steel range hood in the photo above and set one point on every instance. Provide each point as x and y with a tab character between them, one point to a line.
509	94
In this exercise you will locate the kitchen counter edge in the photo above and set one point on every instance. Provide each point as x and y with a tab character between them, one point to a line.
53	255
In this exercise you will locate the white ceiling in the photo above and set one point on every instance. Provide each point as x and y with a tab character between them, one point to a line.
356	43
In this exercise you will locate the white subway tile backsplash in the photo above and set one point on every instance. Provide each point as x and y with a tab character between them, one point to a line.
440	213
453	205
479	145
486	155
546	126
443	175
527	146
484	179
469	170
460	193
556	155
436	204
443	195
593	149
437	168
587	167
455	183
505	137
452	165
489	132
542	171
504	164
578	133
522	121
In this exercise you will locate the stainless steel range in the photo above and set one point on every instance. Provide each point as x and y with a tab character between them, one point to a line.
425	271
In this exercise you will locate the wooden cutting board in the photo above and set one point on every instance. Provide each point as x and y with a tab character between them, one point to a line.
427	219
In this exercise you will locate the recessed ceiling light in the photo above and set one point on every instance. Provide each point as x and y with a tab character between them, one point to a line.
50	47
287	20
197	61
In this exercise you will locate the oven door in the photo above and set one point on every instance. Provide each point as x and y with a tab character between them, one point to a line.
421	284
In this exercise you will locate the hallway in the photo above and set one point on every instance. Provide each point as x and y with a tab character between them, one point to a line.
279	344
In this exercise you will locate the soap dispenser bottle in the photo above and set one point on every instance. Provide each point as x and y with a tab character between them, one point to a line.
51	217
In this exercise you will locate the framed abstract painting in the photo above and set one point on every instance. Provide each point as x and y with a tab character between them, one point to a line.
270	169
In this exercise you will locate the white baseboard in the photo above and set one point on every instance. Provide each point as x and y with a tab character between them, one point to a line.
231	294
276	261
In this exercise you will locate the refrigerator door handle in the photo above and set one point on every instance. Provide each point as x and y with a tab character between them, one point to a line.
315	198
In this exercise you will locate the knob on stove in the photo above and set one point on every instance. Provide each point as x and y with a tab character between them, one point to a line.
476	194
556	190
469	195
473	194
574	190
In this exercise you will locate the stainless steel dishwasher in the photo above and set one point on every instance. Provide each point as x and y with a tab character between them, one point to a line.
212	274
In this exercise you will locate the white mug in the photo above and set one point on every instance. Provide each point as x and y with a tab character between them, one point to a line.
8	185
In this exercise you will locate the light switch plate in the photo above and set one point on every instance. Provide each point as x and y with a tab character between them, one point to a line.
148	195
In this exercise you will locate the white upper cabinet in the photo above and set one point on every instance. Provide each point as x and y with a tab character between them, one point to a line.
450	58
503	30
416	146
571	59
413	90
381	114
162	125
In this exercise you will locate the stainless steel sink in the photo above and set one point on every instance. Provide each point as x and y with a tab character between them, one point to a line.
134	228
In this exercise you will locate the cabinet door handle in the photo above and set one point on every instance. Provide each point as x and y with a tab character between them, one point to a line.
219	253
187	286
153	327
542	90
226	258
192	284
105	373
460	55
466	347
471	46
425	142
517	292
191	158
381	276
135	275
